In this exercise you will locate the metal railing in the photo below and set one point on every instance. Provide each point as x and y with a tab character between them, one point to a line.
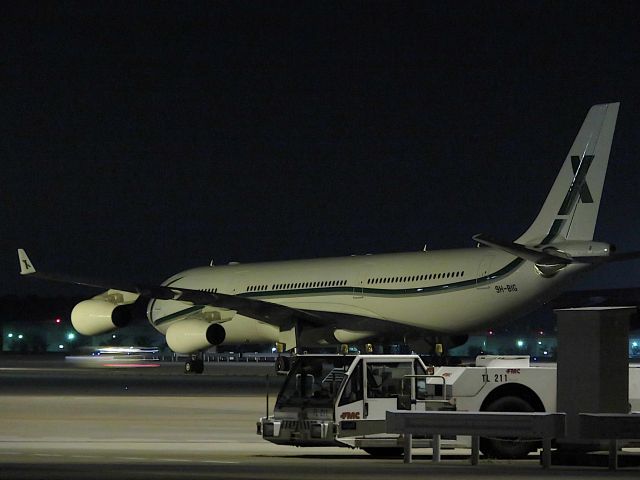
533	425
610	426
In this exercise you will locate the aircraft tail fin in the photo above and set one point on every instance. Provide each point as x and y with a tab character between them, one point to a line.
571	208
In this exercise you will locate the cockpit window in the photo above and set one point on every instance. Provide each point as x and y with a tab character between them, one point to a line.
384	380
314	381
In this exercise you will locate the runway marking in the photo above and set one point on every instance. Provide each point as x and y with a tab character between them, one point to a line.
46	455
31	369
218	461
226	462
130	458
85	456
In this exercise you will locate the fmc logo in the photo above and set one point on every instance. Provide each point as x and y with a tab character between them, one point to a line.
350	416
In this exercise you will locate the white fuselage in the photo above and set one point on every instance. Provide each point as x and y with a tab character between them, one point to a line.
448	291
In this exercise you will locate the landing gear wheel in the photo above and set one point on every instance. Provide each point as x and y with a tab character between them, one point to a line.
508	448
194	366
283	364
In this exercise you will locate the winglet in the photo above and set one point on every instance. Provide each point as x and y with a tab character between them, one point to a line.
26	267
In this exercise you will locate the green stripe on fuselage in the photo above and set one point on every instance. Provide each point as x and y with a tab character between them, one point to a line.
368	290
346	290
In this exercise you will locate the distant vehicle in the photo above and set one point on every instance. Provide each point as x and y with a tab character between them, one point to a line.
332	400
115	357
406	297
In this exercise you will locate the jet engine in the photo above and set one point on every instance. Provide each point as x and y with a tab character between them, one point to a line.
321	336
103	313
193	334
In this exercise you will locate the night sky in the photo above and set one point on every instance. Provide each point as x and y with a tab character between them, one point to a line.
140	139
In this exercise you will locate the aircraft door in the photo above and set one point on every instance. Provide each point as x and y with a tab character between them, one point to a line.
484	269
351	403
358	287
383	384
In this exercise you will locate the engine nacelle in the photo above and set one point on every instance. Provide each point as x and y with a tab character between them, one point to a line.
329	336
242	330
96	316
351	336
194	334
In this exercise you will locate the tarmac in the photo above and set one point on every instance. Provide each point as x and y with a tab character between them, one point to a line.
58	421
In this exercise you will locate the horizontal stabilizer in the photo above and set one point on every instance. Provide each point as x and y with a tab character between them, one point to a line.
548	256
615	257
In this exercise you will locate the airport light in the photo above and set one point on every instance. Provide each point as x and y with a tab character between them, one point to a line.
20	336
71	336
520	343
58	321
60	346
10	335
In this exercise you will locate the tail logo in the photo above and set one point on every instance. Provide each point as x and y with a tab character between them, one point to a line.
579	187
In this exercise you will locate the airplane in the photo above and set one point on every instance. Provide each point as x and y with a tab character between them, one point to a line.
408	297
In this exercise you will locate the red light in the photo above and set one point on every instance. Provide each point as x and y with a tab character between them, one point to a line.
58	320
490	332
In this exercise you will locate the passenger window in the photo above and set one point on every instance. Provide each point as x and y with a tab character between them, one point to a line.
384	380
353	390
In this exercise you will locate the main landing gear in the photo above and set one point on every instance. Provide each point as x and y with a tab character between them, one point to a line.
194	365
283	362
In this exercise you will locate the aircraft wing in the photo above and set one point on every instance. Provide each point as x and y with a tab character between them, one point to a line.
275	314
272	313
281	316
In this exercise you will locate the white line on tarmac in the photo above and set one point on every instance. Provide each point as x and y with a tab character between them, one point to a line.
32	369
217	461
